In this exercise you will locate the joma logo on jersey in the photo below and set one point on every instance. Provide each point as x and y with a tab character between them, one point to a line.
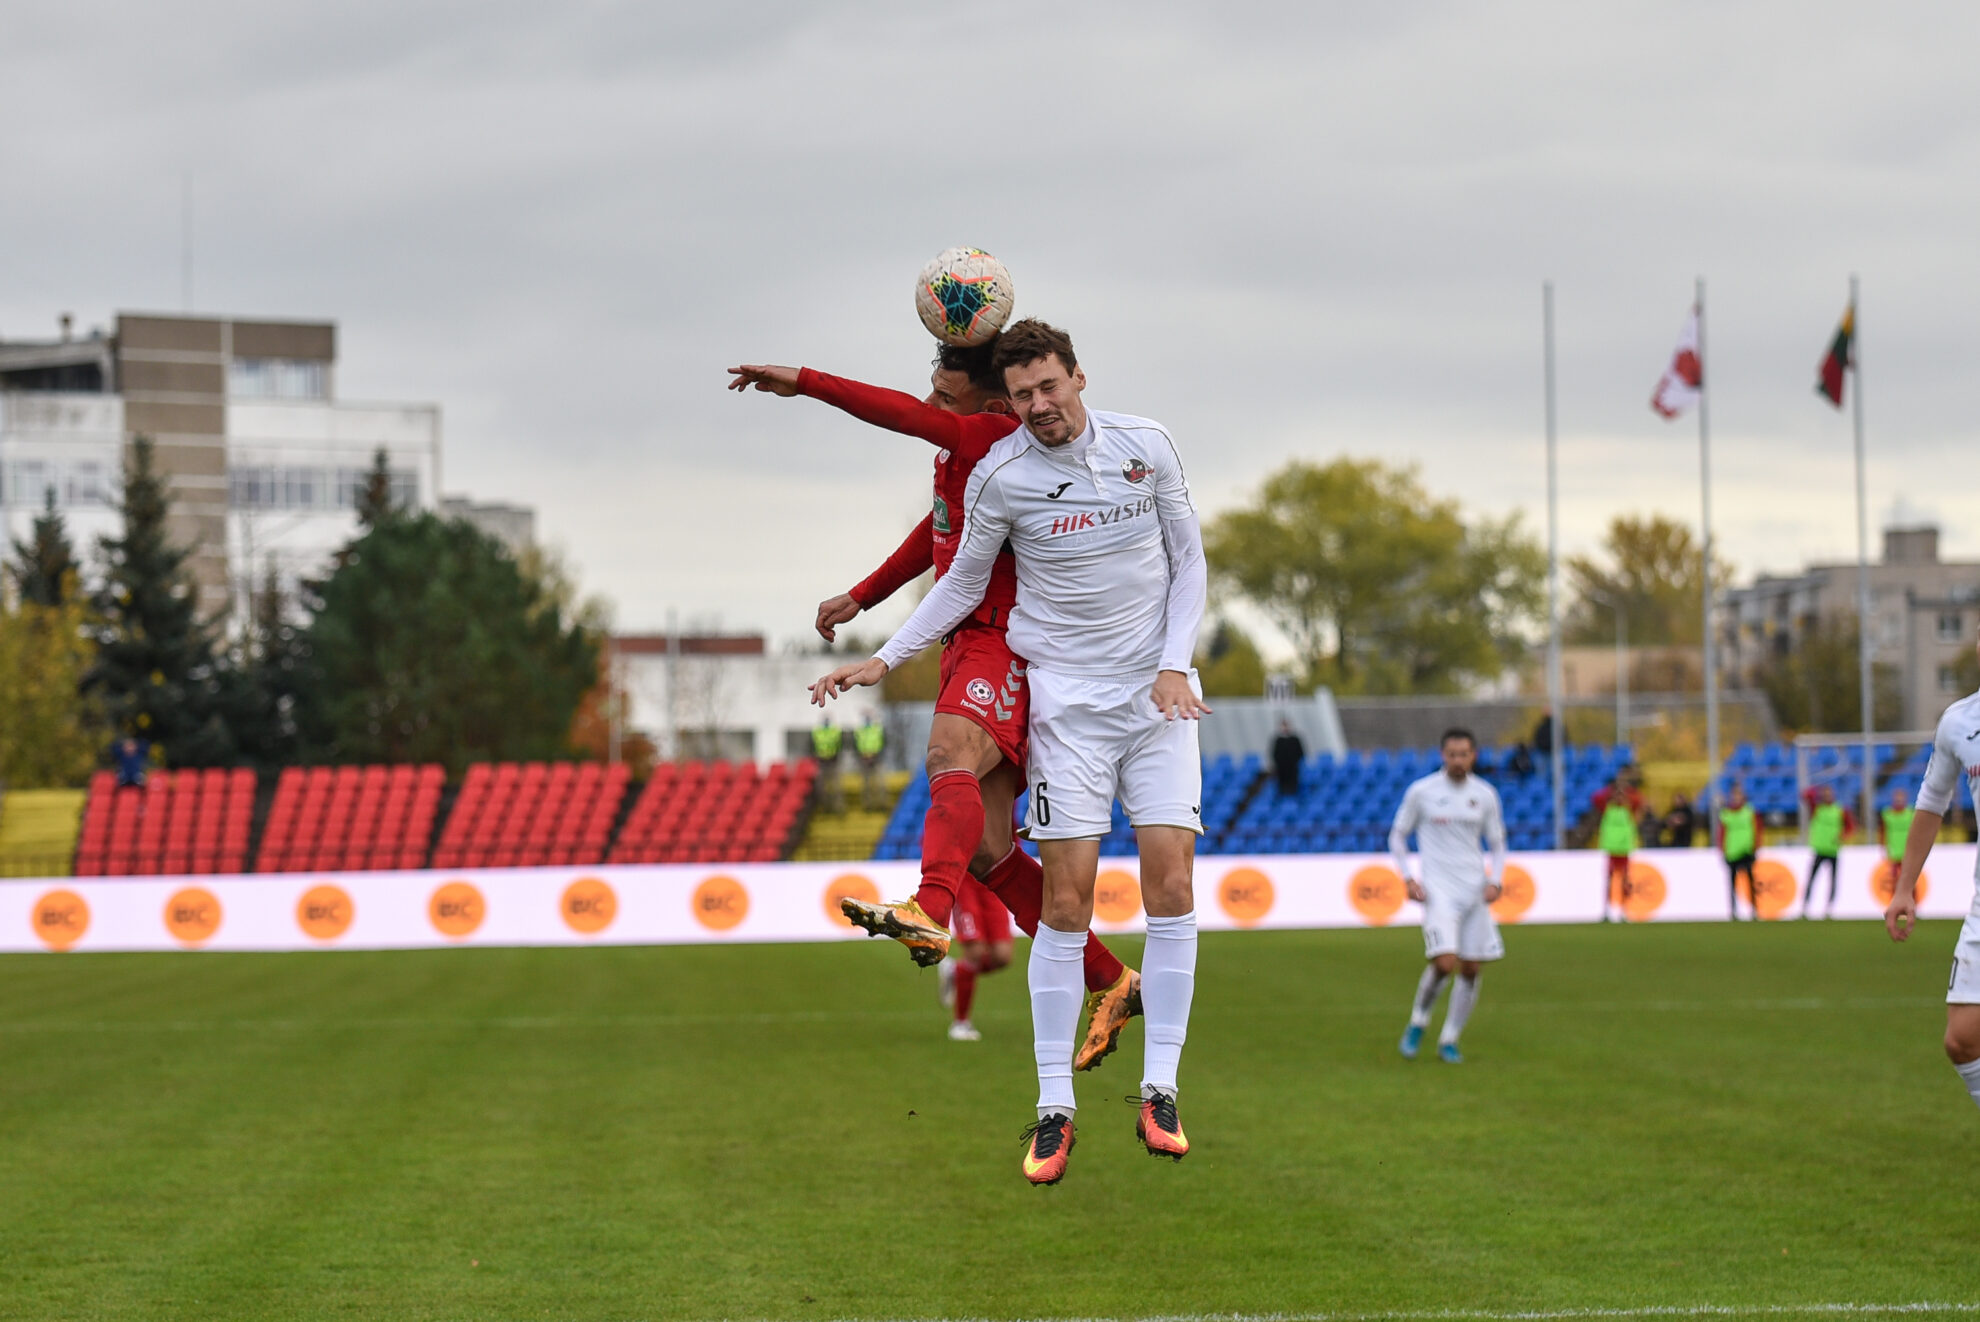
1090	519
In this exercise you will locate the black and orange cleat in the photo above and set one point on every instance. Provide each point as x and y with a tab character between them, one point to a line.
1048	1143
1108	1012
927	941
1157	1125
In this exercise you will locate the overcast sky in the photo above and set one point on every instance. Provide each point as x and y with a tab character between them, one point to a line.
1286	230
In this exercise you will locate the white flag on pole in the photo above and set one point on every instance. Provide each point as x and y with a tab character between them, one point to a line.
1677	391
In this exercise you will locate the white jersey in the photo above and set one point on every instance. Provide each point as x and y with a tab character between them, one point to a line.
1448	818
1110	572
1955	752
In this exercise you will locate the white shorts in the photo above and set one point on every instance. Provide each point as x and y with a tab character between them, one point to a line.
1963	988
1095	739
1455	927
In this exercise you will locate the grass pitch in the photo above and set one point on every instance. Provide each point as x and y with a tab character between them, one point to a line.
1747	1117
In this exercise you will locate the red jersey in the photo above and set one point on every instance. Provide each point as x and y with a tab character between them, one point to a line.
961	440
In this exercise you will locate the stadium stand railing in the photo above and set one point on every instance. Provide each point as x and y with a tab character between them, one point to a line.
705	812
195	821
349	819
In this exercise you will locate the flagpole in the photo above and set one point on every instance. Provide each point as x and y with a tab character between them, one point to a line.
1705	494
1863	667
1558	726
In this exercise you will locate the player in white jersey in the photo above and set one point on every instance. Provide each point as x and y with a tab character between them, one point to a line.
1449	810
1110	593
1955	753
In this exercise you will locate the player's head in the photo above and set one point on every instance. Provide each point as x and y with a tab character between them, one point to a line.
1899	798
1043	379
965	382
1460	750
1737	795
1825	795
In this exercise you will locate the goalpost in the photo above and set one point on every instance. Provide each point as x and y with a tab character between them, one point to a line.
1812	768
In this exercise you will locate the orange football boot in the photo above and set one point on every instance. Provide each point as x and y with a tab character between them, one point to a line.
1108	1012
927	940
1047	1145
1158	1127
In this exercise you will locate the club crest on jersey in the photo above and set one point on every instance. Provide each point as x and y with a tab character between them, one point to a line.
980	692
1134	470
942	515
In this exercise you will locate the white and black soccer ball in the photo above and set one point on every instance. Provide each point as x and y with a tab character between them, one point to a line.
964	296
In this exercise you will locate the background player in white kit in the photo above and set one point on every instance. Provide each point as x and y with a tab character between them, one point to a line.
1449	810
1955	753
1111	583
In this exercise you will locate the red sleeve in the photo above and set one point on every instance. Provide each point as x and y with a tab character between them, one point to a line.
910	560
971	436
1601	799
1849	822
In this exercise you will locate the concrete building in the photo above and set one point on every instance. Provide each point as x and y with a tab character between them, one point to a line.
512	525
262	462
726	696
1924	613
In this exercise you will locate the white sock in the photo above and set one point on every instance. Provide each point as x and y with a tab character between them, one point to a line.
1969	1074
1463	996
1427	988
1058	987
1168	985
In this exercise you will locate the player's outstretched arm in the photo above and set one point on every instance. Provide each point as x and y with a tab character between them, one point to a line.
1902	912
767	377
961	590
860	674
1182	540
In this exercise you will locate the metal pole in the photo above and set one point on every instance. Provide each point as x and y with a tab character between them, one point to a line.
1622	674
1556	760
1863	668
1710	638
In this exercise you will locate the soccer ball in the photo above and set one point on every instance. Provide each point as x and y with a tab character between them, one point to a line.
964	296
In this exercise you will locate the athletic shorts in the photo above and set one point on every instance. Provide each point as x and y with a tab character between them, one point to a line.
1454	927
979	915
1093	740
1963	988
983	681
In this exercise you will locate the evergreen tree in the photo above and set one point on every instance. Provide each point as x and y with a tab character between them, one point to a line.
45	570
260	686
154	671
374	500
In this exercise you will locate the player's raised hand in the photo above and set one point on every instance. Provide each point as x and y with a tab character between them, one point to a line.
766	377
870	671
834	611
1901	913
1173	697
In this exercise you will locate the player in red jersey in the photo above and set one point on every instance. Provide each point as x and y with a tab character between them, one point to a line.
976	745
982	927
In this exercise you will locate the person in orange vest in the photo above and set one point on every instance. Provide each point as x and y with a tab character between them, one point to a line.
1739	843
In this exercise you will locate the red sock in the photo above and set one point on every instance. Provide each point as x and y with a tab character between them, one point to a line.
965	989
1020	883
949	835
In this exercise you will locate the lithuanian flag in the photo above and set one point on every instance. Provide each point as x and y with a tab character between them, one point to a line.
1830	386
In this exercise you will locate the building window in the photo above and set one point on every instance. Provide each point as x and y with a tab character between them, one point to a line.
1949	626
278	378
1948	680
267	487
77	484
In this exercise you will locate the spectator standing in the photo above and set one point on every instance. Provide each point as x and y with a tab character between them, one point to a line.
1739	843
1828	823
1616	836
826	742
132	757
1680	823
869	741
1650	828
1288	755
1520	763
1894	824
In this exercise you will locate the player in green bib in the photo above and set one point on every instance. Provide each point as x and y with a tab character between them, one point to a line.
1897	825
1739	842
1829	823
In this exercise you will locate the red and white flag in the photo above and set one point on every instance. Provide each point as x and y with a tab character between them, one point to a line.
1678	390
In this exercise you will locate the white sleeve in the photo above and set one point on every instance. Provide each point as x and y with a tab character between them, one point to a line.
1406	819
1935	794
1189	588
1495	836
1172	499
961	590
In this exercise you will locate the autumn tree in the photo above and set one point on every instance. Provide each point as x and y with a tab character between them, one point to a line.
1652	566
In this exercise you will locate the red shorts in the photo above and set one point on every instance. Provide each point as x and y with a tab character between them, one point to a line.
983	682
979	915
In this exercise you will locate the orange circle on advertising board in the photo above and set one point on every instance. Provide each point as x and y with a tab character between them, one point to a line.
60	919
1245	894
1117	896
1516	895
720	903
850	886
1644	893
1776	887
1883	883
456	908
325	912
1377	894
192	915
588	905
